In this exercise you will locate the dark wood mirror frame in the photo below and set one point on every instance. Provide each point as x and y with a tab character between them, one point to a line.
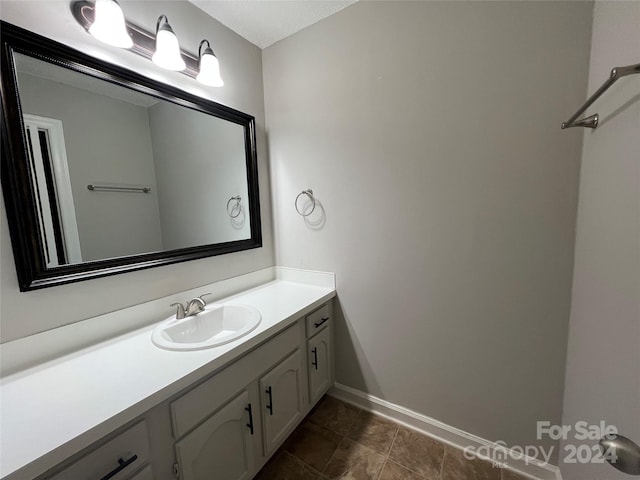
18	193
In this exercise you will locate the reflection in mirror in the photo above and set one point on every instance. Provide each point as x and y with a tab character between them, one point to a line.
105	171
169	171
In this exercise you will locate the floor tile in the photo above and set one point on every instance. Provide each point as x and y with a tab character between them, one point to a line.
417	452
373	431
287	467
352	461
335	415
457	467
393	471
339	441
313	444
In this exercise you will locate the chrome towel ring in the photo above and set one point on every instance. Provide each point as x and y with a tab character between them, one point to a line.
237	206
308	193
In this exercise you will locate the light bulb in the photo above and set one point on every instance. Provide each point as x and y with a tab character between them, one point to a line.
109	24
167	54
209	73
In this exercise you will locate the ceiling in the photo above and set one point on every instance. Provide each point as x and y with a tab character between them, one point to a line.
264	22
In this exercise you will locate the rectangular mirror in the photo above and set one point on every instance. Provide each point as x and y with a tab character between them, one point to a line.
105	171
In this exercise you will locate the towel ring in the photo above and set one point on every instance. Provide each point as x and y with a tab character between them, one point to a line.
238	199
308	193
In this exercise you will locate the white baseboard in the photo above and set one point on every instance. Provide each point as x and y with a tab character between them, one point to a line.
526	466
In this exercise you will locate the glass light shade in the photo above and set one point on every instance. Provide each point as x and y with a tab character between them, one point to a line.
109	24
209	70
167	54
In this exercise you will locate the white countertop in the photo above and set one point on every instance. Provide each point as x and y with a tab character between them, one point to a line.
54	410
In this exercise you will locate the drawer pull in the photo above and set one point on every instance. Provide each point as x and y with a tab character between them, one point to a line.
270	404
325	319
250	424
315	358
122	464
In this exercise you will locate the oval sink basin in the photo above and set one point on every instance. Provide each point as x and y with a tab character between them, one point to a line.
218	324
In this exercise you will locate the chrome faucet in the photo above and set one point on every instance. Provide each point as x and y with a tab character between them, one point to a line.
193	307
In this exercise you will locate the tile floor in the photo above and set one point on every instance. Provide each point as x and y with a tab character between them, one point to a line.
339	441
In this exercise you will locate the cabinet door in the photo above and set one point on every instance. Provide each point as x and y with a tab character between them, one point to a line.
282	407
221	447
319	351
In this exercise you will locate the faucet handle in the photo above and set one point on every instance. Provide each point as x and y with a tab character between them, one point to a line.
204	295
180	313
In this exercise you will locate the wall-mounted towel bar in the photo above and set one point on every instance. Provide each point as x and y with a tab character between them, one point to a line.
114	188
592	120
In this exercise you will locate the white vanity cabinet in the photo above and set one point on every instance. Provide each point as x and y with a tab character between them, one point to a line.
225	425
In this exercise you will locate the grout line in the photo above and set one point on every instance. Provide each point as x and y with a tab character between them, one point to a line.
381	470
332	455
309	467
386	458
444	455
398	461
384	464
395	435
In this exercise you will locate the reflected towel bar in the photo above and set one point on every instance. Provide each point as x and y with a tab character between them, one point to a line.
111	188
592	120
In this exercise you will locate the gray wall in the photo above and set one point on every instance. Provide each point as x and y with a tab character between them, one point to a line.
603	358
112	147
429	132
200	163
22	314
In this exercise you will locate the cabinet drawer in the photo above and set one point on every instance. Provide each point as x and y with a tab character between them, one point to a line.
198	404
116	456
318	320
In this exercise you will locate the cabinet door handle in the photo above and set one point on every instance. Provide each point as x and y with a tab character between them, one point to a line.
122	464
315	358
270	404
325	319
250	424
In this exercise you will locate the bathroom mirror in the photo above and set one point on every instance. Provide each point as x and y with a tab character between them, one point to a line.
105	171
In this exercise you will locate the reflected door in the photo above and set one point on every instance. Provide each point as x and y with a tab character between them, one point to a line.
51	184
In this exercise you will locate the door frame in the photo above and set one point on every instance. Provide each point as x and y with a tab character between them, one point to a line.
62	181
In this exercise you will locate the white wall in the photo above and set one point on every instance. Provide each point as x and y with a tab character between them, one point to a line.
603	358
22	314
430	133
94	157
200	163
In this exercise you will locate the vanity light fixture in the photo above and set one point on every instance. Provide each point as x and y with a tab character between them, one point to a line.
162	48
209	67
167	54
109	24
